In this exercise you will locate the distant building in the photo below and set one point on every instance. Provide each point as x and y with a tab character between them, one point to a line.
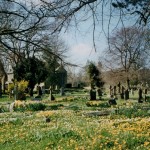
10	75
62	75
57	79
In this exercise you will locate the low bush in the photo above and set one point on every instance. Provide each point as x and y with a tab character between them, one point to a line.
36	106
22	106
54	107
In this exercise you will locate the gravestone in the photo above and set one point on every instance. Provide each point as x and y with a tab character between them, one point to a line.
99	91
39	91
112	101
122	92
145	92
132	91
51	97
92	94
119	88
115	91
126	94
62	93
110	89
15	91
140	95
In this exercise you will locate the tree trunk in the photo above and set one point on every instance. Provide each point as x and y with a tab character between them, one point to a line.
128	83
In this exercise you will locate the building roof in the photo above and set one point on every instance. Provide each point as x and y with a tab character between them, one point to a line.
61	69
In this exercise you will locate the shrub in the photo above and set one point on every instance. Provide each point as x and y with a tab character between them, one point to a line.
22	86
36	106
22	106
55	107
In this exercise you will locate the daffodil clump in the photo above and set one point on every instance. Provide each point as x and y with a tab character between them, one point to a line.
97	104
45	114
19	103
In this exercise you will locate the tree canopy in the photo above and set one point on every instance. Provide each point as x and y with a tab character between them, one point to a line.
94	75
19	20
32	70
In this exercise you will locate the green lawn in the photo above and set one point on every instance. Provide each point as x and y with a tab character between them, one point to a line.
68	123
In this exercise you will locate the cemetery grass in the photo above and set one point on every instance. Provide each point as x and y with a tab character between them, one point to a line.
73	125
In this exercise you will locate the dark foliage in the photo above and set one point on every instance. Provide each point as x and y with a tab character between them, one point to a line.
32	70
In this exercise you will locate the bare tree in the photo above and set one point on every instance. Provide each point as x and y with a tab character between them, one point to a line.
128	51
140	8
20	19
